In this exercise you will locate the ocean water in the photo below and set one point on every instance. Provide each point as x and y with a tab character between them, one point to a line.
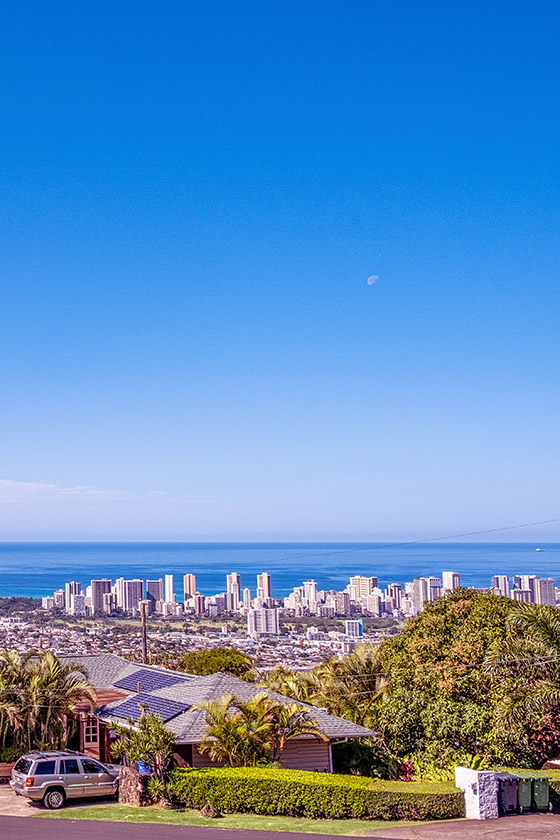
37	569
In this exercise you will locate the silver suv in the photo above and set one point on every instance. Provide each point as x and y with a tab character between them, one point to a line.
57	775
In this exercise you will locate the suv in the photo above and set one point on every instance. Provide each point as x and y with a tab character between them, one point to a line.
56	775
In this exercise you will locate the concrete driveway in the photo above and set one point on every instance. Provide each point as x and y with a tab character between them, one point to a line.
16	806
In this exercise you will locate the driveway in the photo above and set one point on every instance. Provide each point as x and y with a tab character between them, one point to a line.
15	806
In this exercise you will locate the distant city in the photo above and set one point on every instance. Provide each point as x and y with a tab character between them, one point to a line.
362	597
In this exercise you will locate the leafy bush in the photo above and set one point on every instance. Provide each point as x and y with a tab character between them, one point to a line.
299	793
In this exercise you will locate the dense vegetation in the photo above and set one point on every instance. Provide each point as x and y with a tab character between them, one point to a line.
302	794
474	679
37	695
228	660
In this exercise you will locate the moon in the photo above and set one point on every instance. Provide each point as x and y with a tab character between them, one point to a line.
371	279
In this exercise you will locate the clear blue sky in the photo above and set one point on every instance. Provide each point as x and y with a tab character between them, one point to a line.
193	196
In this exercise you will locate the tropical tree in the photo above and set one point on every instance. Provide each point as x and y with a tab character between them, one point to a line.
530	657
145	740
38	694
254	732
228	660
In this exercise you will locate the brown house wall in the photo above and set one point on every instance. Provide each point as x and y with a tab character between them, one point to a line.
299	754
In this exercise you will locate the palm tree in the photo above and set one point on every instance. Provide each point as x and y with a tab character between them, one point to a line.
38	694
231	737
529	659
242	734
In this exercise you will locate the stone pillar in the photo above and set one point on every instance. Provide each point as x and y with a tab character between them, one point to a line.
481	792
133	787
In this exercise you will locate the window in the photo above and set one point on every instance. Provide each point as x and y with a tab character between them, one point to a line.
92	766
45	768
91	731
69	766
22	766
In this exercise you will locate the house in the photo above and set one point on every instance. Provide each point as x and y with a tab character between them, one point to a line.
123	687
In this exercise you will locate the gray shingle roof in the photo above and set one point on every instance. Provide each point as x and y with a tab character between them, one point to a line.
106	669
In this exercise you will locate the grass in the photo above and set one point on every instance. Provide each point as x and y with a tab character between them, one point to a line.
167	816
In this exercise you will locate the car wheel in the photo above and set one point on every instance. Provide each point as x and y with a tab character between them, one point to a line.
54	798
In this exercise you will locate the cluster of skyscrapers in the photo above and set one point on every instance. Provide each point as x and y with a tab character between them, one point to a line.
361	597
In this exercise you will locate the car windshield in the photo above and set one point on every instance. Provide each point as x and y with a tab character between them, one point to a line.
92	766
23	765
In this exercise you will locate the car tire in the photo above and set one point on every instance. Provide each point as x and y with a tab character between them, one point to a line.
54	799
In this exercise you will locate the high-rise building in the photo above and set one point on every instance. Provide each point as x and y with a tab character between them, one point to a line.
99	588
310	591
263	622
420	593
523	595
354	629
394	591
246	597
500	585
133	594
263	587
545	591
71	588
233	585
364	585
169	589
450	581
189	586
198	603
154	592
434	588
77	604
59	598
119	592
529	582
342	603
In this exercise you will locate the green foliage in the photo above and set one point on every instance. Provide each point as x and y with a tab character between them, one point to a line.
37	694
12	606
146	740
317	795
441	699
228	660
255	732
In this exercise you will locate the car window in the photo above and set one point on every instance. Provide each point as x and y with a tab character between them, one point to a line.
23	765
45	768
92	766
70	765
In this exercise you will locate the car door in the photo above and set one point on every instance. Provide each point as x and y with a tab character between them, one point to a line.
97	780
72	775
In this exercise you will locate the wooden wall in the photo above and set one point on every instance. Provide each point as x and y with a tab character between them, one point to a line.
299	754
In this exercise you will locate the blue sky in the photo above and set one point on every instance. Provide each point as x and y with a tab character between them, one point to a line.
193	197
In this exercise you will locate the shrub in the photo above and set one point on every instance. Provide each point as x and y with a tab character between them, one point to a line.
299	793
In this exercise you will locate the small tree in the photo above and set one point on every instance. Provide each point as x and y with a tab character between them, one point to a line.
146	740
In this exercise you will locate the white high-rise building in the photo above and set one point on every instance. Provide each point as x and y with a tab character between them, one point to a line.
363	585
233	586
420	593
500	585
71	588
450	581
263	622
246	597
310	592
169	589
263	587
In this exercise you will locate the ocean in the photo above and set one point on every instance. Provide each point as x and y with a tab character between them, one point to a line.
37	569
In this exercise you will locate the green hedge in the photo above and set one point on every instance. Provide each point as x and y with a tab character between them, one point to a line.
299	793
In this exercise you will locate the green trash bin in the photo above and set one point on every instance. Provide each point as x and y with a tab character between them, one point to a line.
541	796
524	793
